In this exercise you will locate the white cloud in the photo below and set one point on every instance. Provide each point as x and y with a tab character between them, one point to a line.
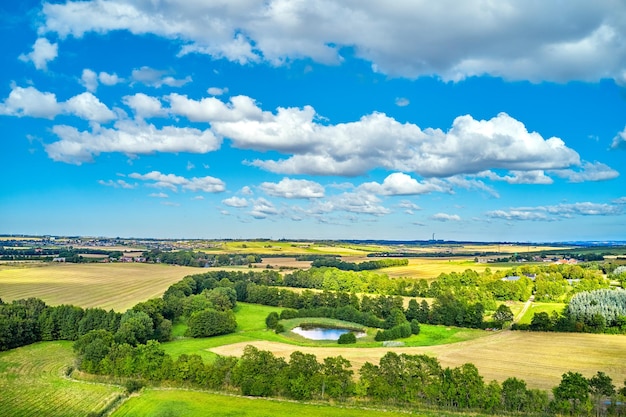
89	79
144	106
235	202
517	215
520	177
156	78
556	212
42	53
376	140
401	184
246	190
621	200
158	195
217	91
595	171
129	137
88	107
31	102
534	41
262	208
174	182
444	217
619	141
356	202
109	79
117	184
290	188
402	101
211	109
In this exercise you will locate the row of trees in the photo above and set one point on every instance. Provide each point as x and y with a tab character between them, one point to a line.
361	266
397	379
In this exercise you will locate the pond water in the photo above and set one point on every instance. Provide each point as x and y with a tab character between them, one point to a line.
323	333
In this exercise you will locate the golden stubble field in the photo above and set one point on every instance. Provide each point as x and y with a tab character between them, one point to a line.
538	358
109	286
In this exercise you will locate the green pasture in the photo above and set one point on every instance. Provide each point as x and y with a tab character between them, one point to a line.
33	383
162	403
541	308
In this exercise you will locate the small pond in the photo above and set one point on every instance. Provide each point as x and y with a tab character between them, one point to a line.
323	333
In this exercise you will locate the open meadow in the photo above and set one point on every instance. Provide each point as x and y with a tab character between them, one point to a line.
33	383
117	286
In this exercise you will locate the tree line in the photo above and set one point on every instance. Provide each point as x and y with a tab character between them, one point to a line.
398	379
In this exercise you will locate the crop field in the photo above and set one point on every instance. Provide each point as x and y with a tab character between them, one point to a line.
32	383
161	403
538	358
431	268
116	286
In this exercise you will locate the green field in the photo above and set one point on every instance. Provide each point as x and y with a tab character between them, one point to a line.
33	383
117	286
541	308
162	403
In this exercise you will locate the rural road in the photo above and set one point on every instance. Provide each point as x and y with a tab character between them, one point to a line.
524	309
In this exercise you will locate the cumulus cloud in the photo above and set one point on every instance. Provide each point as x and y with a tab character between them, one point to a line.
534	41
117	184
175	182
90	79
619	141
402	101
556	212
355	202
217	91
470	146
144	106
401	184
595	171
88	107
42	53
290	188
213	110
444	217
157	78
31	102
262	208
235	201
129	137
520	177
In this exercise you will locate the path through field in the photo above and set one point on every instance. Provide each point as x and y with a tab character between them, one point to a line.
538	358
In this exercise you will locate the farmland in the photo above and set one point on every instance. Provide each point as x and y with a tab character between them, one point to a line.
110	286
32	383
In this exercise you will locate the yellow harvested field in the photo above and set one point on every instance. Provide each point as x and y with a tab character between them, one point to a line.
109	286
538	358
430	268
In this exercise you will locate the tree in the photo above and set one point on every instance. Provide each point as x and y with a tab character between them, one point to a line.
514	394
347	338
135	328
502	315
572	394
211	322
272	320
601	386
337	378
303	376
259	373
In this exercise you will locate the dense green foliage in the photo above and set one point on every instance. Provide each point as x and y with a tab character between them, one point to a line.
398	379
362	266
347	338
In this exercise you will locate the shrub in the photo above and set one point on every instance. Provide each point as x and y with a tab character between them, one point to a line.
415	327
347	338
271	320
279	328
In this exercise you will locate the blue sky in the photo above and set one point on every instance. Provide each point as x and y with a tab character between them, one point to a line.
486	121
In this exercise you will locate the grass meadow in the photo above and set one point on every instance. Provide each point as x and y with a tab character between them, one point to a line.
537	307
117	286
33	383
162	403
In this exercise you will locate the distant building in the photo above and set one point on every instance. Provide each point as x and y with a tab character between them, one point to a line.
58	259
